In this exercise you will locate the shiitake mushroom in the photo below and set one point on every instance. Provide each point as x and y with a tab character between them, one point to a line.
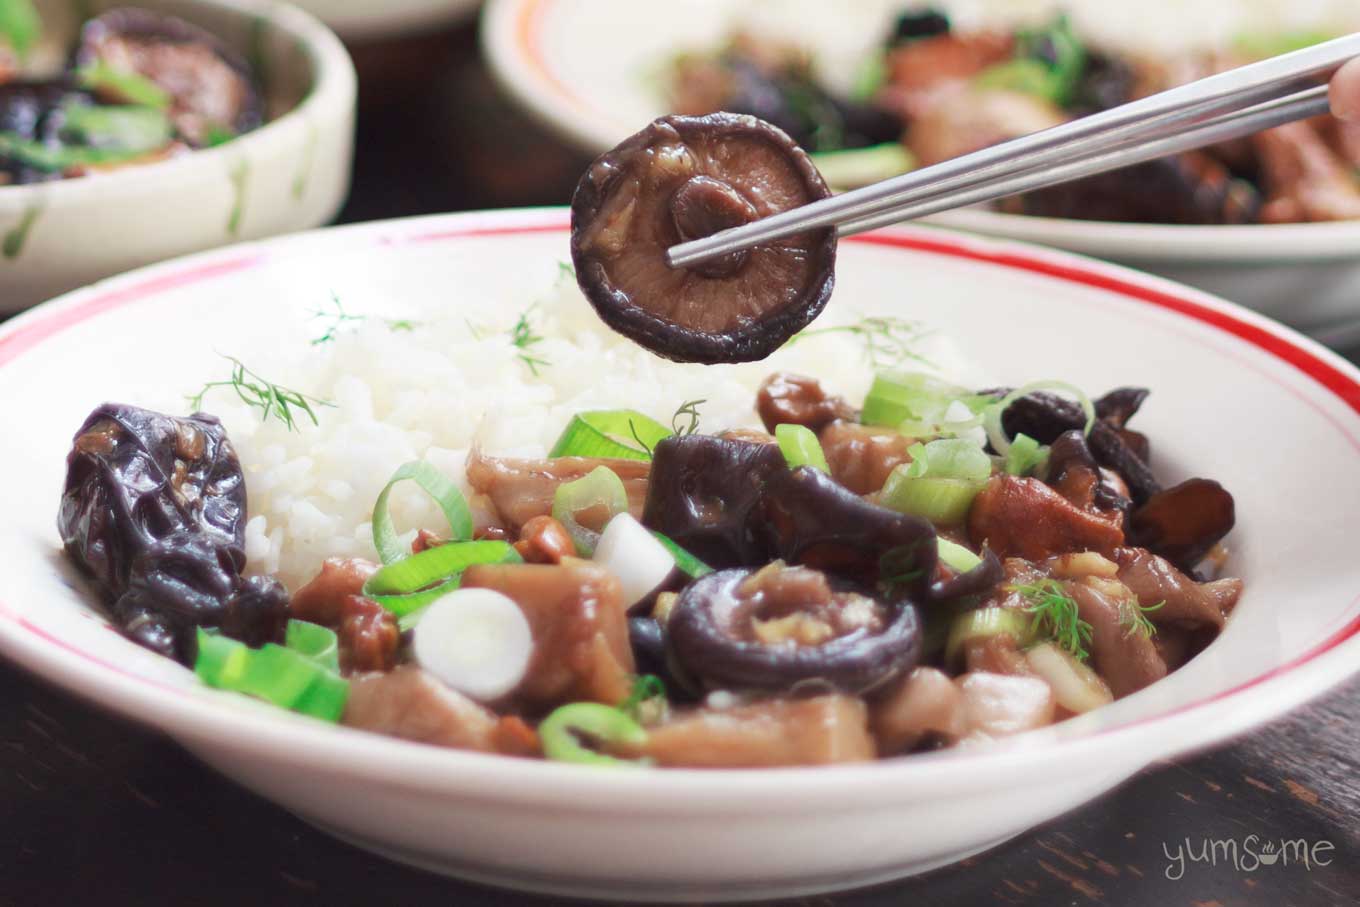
684	178
780	628
211	86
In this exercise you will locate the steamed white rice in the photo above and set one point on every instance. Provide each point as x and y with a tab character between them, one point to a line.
451	382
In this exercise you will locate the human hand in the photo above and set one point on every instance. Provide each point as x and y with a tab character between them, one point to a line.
1345	92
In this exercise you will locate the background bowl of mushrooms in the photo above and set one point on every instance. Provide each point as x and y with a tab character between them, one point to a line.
134	135
1289	247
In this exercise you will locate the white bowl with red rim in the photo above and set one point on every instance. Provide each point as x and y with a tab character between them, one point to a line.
1272	415
596	73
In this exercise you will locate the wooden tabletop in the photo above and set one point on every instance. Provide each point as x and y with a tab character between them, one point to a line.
94	809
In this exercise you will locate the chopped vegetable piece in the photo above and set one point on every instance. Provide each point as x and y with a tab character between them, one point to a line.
128	86
949	458
409	584
956	557
135	130
608	433
561	732
476	641
1060	51
1026	456
984	622
689	565
600	488
918	399
636	558
1076	687
273	673
436	485
940	482
54	159
991	416
647	699
20	25
315	641
854	167
800	447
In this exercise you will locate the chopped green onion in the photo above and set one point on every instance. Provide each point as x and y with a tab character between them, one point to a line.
608	433
1025	76
955	556
601	487
436	485
1261	45
559	733
318	643
20	25
412	583
855	167
276	674
1026	456
130	87
56	159
217	134
945	502
1060	51
689	565
949	458
647	700
872	73
800	447
919	405
129	129
982	623
991	417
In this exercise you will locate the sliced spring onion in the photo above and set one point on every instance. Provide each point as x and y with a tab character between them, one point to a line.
1076	687
55	159
318	643
984	622
276	674
1026	456
407	585
128	128
944	502
621	433
949	458
991	417
1025	76
855	167
689	565
476	641
436	485
955	556
559	733
20	26
896	397
800	447
127	86
869	78
639	561
601	487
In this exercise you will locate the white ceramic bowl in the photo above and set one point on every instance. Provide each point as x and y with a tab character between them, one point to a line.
1273	416
364	20
291	174
595	74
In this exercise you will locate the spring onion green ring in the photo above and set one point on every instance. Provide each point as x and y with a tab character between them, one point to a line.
800	447
436	485
618	433
955	556
274	673
318	643
558	732
412	583
689	565
991	419
601	487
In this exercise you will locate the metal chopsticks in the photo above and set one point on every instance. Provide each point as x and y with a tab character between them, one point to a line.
1228	105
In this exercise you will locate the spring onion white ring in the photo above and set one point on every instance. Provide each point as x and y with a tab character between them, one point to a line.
634	556
476	641
601	487
991	417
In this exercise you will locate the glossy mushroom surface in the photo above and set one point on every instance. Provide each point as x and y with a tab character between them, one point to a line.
685	178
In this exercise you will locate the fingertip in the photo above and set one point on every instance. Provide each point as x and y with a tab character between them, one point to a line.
1345	92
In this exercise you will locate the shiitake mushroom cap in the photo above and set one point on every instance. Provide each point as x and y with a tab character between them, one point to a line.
683	178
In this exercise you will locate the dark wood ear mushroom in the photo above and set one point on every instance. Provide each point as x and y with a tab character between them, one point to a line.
684	178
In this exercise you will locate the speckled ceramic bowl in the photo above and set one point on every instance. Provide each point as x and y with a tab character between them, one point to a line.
291	174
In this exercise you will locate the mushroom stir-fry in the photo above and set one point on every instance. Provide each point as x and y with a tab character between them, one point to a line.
938	567
139	88
935	92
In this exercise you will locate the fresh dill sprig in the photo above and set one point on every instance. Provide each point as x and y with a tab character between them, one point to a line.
524	338
565	270
338	318
1056	616
687	410
270	398
888	341
1133	617
647	700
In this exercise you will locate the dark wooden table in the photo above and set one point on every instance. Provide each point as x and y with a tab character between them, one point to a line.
96	810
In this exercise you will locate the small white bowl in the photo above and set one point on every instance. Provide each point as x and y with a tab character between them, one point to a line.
1236	397
364	20
291	174
595	74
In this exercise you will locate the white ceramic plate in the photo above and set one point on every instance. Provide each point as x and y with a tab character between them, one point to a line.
364	20
595	73
1273	416
290	174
